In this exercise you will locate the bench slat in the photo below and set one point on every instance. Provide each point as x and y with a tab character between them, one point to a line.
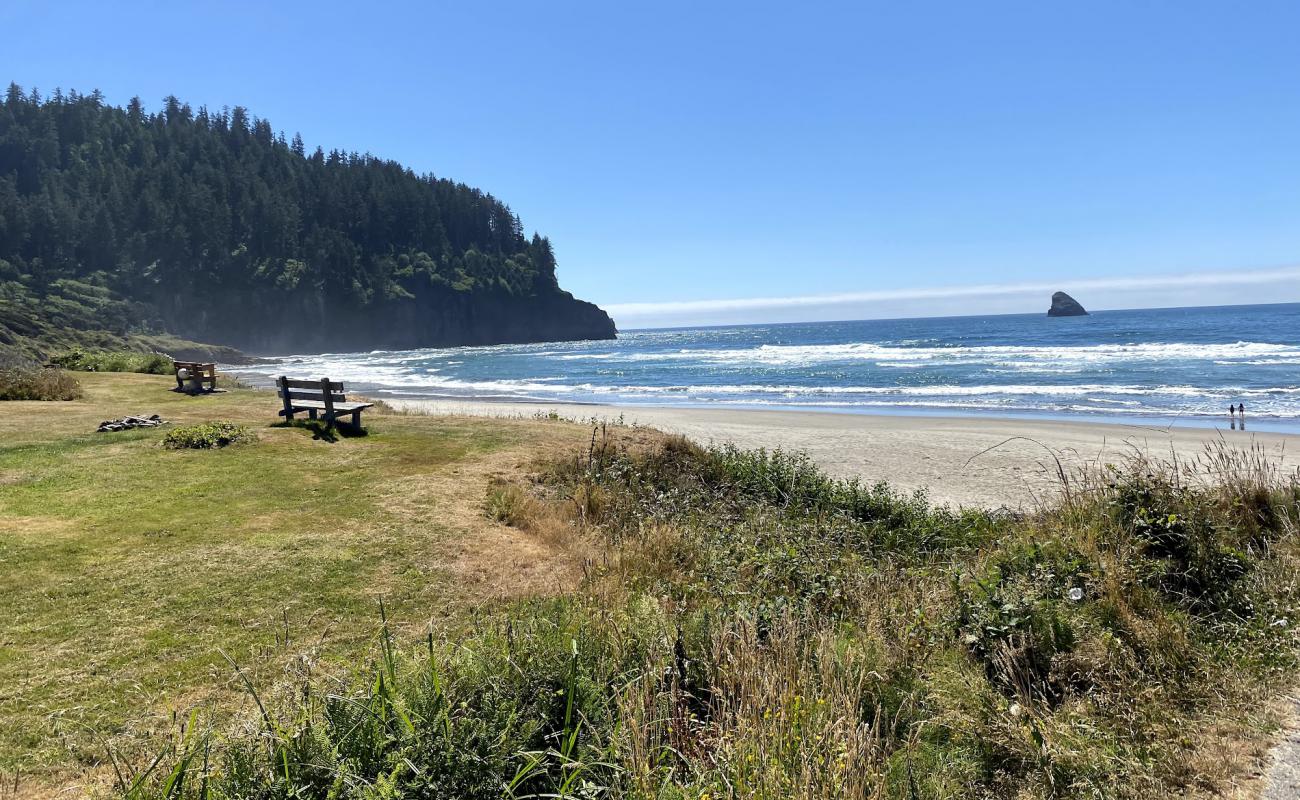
303	394
342	408
297	384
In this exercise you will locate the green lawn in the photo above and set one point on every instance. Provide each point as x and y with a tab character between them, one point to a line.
126	568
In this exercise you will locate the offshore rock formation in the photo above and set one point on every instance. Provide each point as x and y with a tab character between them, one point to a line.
1064	305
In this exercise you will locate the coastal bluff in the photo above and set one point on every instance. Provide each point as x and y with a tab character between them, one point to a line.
211	228
1064	305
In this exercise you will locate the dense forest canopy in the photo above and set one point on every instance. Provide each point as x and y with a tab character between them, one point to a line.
211	225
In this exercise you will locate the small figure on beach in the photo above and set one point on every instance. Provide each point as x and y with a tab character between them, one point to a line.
1241	414
1232	415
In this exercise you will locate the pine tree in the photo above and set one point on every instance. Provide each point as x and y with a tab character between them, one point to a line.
155	206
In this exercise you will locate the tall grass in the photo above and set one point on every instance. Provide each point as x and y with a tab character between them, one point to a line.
25	383
752	628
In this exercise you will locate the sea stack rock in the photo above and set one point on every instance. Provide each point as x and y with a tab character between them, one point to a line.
1064	305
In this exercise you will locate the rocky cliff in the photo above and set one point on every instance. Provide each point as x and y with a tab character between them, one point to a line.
271	322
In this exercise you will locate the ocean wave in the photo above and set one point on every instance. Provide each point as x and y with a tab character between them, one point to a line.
557	385
965	368
769	354
886	356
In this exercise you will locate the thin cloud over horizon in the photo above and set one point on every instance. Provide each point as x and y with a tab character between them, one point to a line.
1100	293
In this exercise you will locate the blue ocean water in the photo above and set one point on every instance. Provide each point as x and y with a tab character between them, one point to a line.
1184	363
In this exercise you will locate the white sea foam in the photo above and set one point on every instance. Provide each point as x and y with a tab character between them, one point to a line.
555	385
792	355
698	368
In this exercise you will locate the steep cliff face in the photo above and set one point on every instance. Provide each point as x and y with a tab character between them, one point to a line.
1064	305
274	323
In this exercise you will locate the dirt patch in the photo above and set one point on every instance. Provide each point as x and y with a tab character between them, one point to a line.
12	477
489	560
41	528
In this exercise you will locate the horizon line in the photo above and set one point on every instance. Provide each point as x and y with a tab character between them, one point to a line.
948	316
776	304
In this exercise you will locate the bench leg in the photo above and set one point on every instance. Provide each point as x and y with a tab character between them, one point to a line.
311	413
352	423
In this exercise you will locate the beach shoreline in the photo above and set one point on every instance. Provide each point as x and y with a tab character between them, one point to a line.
960	460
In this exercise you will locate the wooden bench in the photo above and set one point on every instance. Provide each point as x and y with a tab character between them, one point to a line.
322	399
205	375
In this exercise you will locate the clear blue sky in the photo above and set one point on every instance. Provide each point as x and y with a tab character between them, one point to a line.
691	151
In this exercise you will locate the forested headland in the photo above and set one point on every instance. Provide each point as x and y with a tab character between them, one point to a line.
210	225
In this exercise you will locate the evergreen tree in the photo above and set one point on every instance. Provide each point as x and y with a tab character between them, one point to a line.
155	207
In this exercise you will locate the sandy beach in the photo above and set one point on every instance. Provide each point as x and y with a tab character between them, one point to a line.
958	460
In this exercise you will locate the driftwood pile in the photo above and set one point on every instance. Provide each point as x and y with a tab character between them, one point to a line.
127	423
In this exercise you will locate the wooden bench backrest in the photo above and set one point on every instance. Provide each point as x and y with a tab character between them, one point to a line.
323	391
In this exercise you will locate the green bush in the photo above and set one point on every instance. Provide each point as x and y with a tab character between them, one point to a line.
206	436
18	383
114	361
757	629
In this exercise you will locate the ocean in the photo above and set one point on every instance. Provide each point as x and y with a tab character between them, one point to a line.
1158	365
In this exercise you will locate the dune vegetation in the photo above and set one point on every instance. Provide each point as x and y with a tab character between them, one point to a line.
748	627
531	608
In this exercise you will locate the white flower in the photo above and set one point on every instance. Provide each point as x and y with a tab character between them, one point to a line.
1076	594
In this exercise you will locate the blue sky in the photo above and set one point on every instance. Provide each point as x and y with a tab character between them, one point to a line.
830	160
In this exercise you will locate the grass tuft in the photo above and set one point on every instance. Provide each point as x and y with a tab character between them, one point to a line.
207	436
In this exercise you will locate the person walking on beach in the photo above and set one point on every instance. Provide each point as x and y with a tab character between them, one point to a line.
1232	413
1241	414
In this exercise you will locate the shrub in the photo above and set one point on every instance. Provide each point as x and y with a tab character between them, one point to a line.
19	383
114	361
758	629
206	436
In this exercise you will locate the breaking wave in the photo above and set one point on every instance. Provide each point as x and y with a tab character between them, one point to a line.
1188	362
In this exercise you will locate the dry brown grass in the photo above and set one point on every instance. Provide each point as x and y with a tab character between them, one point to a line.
22	383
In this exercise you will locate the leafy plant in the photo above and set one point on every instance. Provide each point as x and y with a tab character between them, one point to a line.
114	361
206	435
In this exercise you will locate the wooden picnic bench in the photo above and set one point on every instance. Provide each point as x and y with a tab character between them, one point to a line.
322	399
198	374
